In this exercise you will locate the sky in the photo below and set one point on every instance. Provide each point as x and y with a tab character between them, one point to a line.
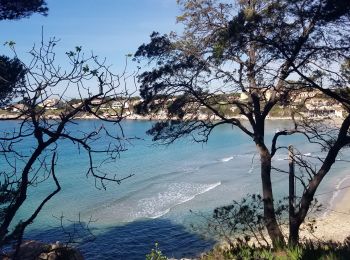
109	28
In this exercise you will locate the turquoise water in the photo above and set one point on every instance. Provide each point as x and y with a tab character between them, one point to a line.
154	205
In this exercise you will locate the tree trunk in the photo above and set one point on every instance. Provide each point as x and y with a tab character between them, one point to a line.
308	195
272	226
12	210
294	225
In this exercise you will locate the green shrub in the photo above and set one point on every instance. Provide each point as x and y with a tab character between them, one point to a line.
156	254
306	251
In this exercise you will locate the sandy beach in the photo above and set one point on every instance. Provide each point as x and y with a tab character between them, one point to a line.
334	224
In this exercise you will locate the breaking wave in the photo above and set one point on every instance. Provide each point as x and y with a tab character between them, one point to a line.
153	202
176	194
227	159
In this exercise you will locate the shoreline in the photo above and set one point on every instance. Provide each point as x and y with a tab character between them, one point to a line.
136	117
334	223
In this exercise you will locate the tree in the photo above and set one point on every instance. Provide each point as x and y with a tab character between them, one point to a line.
267	52
18	9
11	70
24	168
11	79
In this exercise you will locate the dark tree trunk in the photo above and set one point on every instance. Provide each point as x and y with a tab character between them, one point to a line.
22	195
308	195
272	226
12	210
294	225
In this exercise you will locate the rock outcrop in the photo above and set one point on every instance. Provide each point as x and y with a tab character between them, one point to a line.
34	250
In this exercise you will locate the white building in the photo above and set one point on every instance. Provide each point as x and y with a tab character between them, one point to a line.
120	104
17	108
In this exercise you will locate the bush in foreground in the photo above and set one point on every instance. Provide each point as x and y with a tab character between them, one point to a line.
308	251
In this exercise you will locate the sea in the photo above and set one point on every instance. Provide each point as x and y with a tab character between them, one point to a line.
170	187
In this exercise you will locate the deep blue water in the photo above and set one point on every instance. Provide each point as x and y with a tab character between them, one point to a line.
154	205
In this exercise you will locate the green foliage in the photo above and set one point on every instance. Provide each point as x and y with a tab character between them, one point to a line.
94	72
11	44
225	109
242	224
159	45
78	48
17	9
8	192
177	107
279	111
241	221
295	253
86	68
70	53
12	77
307	251
241	252
156	254
345	69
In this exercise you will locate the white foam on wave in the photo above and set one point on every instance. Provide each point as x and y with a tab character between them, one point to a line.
153	201
285	158
191	169
246	155
177	193
227	159
251	169
160	214
282	159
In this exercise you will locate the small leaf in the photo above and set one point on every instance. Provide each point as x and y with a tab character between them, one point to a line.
86	68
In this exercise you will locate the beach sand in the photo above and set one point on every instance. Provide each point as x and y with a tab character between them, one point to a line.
335	224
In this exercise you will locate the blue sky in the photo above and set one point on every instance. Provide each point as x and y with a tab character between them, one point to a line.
111	28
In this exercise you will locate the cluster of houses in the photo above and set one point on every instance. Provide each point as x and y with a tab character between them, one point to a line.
312	104
48	104
55	104
113	104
